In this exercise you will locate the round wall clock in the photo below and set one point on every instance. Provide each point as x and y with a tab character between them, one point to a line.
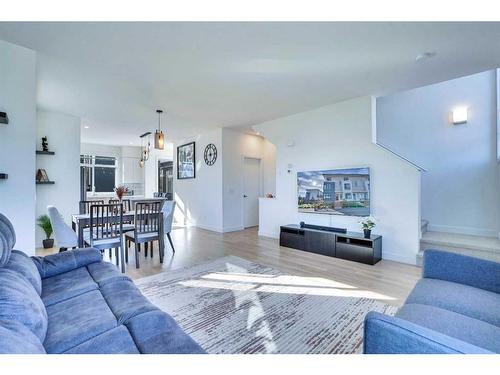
210	154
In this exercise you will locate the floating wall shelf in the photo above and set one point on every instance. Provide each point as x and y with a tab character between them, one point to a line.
45	182
38	152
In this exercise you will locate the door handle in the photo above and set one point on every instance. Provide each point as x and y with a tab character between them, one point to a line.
245	196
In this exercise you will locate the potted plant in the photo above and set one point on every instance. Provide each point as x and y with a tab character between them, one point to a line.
367	224
120	191
44	223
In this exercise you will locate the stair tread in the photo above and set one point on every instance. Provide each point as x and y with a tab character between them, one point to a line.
462	241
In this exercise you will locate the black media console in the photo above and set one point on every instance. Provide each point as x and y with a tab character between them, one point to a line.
347	245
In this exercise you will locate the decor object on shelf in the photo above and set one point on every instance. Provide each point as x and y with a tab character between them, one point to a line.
210	154
4	119
45	144
186	161
41	176
145	148
459	115
120	191
270	195
367	225
43	222
159	136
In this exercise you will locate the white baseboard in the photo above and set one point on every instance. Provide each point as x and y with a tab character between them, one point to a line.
400	258
463	230
232	229
210	228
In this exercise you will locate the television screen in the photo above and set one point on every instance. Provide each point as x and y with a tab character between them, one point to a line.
335	192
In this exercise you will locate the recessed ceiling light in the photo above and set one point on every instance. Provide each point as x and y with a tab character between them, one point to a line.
425	56
131	143
86	127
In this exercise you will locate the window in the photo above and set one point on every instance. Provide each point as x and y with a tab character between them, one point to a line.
347	186
98	173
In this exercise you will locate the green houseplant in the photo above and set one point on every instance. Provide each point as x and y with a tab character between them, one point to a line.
43	222
367	224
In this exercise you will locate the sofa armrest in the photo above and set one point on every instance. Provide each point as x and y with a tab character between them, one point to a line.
462	269
56	264
386	334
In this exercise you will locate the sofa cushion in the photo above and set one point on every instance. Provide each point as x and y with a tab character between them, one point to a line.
462	299
23	264
114	341
66	285
20	302
55	264
76	320
474	331
156	332
103	272
7	239
16	338
125	300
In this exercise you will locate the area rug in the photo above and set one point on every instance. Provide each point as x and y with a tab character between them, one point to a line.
232	305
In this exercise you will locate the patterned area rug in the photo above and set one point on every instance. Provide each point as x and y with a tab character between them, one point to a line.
231	305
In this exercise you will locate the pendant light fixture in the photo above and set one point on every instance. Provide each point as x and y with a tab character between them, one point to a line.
159	136
145	148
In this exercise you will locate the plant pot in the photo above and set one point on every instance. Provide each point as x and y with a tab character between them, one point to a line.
48	243
367	232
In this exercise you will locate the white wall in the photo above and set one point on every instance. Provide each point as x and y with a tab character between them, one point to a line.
460	190
63	134
199	200
17	141
237	145
339	136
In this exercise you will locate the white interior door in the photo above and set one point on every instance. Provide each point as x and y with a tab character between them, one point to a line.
251	192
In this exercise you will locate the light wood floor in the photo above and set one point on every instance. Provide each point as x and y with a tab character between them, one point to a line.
388	281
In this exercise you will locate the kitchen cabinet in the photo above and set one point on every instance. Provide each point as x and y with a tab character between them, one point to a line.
132	173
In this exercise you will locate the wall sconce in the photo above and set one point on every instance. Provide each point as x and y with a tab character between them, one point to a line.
459	115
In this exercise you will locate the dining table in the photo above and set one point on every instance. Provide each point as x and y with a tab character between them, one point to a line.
81	221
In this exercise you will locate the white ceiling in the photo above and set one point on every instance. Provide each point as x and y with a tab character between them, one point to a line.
114	75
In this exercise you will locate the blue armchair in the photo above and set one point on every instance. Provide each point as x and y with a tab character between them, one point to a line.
454	308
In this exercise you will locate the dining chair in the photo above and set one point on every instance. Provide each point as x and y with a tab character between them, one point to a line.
65	236
168	218
126	203
128	226
85	205
148	227
106	230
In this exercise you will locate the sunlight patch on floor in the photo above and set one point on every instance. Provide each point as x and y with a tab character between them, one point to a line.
283	284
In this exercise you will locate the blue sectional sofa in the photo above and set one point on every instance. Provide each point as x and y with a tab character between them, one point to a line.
454	308
73	302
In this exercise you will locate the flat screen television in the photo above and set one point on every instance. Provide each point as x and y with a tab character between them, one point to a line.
334	192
